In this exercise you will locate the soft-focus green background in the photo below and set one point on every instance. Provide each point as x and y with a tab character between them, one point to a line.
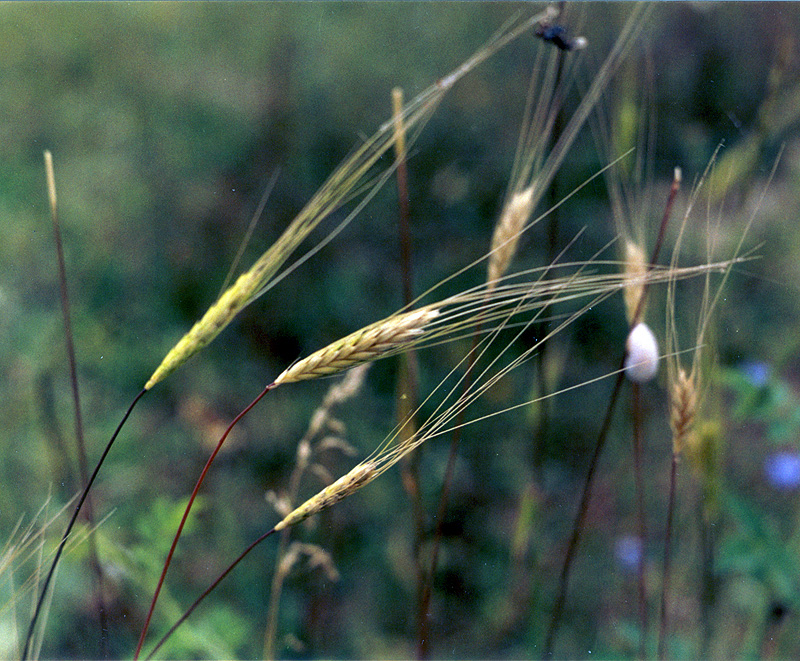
166	120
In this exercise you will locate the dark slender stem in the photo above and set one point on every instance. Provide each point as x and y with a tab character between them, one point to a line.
583	508
76	400
662	630
708	529
543	327
70	525
402	195
558	608
408	382
423	648
640	512
662	231
186	511
207	591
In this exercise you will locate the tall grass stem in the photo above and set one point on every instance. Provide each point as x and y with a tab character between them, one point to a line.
76	399
71	525
583	507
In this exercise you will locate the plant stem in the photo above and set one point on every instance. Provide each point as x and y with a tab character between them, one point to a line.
178	532
640	512
708	595
662	630
408	381
543	327
583	508
423	647
275	597
71	524
76	400
402	194
206	592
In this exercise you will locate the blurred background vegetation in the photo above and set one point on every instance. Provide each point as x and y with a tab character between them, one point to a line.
166	121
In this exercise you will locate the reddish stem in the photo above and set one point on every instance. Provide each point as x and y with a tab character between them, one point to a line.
186	516
583	508
640	513
208	589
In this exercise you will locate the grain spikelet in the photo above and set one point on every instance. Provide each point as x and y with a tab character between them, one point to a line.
682	410
635	272
377	340
507	232
346	485
345	183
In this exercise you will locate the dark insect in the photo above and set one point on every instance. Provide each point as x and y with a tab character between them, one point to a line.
557	35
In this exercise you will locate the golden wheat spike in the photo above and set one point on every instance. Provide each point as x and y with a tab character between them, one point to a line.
204	331
377	340
350	482
507	232
344	183
682	410
635	270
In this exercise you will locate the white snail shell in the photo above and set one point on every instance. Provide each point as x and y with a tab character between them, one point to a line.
641	359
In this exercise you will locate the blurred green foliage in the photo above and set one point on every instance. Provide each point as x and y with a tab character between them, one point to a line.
166	120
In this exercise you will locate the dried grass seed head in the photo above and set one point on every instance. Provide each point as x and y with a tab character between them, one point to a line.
380	339
337	190
516	213
682	410
346	485
635	272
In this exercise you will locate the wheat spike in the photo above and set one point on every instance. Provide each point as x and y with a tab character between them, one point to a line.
682	410
346	485
210	325
377	340
635	275
340	187
506	235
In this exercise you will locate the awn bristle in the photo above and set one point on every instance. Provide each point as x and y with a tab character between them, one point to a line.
682	410
346	485
635	276
339	188
506	235
375	341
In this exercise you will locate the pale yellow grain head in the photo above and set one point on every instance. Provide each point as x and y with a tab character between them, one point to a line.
386	337
345	486
216	318
516	213
682	410
338	189
635	275
51	178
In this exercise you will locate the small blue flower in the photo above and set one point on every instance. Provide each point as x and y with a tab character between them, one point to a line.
628	552
782	470
756	372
